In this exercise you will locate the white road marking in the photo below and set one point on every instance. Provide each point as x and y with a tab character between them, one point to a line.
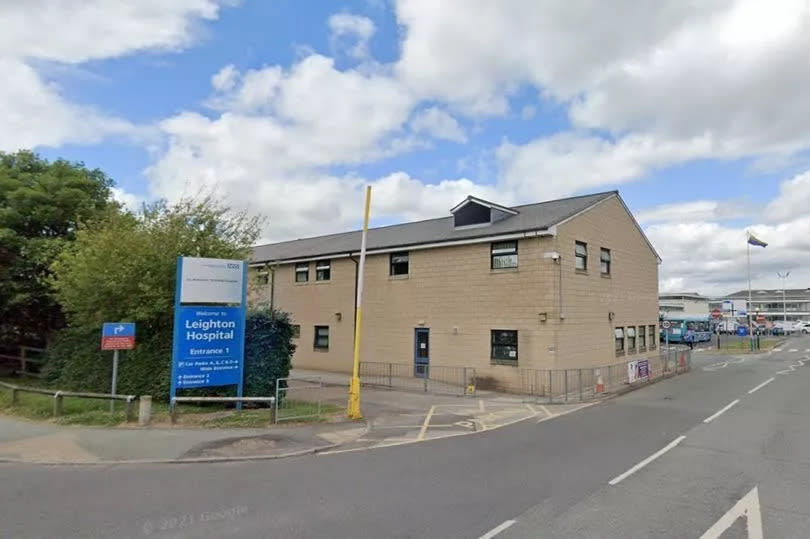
807	349
619	478
760	386
792	350
497	529
791	368
546	411
748	506
721	411
481	404
777	350
426	423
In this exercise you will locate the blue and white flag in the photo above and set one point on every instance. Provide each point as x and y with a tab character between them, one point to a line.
753	240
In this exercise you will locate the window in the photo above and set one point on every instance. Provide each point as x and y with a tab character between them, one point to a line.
504	255
581	253
398	263
504	346
619	333
631	338
642	342
652	338
322	337
302	272
296	331
604	258
323	270
262	277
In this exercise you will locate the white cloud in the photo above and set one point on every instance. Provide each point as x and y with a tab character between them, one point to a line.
701	254
527	112
131	201
698	210
352	31
33	111
438	123
793	199
672	81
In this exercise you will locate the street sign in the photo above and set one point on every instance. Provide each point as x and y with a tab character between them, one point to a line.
666	324
761	318
209	347
211	280
118	336
717	313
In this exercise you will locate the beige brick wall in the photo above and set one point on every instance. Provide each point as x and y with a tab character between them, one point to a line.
631	291
317	303
453	292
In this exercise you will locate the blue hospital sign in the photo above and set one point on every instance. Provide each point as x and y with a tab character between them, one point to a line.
209	335
210	344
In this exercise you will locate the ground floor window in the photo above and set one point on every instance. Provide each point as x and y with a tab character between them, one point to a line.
652	337
322	337
296	331
619	337
631	339
504	346
642	343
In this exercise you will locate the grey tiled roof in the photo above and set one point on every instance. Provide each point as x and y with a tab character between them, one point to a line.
538	216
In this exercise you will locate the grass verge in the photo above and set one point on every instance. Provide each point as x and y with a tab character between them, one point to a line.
95	412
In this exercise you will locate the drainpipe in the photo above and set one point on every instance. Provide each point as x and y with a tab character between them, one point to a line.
356	276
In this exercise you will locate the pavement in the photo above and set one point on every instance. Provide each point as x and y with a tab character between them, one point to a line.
717	451
25	441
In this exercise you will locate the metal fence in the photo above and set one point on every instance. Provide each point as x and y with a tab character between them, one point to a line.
428	379
298	398
25	360
576	385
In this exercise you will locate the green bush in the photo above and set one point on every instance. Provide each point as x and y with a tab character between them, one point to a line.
268	350
75	362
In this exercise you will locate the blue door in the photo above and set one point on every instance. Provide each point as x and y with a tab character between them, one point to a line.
421	352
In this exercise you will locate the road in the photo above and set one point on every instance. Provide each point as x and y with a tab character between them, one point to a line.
549	479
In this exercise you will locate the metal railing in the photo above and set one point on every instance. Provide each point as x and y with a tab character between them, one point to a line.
423	378
59	396
29	359
583	384
298	398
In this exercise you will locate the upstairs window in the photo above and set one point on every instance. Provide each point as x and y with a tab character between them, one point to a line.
398	263
323	270
302	272
604	259
504	255
581	254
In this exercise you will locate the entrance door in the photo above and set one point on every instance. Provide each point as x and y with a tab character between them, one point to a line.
421	352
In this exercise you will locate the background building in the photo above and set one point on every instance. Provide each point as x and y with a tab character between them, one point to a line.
560	284
685	303
773	304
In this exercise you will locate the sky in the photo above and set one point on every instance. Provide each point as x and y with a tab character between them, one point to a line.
696	111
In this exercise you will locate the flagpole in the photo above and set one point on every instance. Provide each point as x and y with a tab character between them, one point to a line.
750	306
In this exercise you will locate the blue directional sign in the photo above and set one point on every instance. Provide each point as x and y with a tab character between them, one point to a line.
209	345
118	336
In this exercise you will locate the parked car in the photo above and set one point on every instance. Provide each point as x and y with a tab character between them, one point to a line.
776	331
801	327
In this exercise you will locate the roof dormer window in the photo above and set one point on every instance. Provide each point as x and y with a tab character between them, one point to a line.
475	212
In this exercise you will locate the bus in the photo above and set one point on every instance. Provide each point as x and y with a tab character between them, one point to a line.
680	324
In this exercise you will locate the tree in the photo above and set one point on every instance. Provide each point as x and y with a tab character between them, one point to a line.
42	206
123	269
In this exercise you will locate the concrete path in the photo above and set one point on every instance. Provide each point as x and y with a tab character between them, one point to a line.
27	441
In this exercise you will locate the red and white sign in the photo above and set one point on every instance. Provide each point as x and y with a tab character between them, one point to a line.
665	324
717	313
118	336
